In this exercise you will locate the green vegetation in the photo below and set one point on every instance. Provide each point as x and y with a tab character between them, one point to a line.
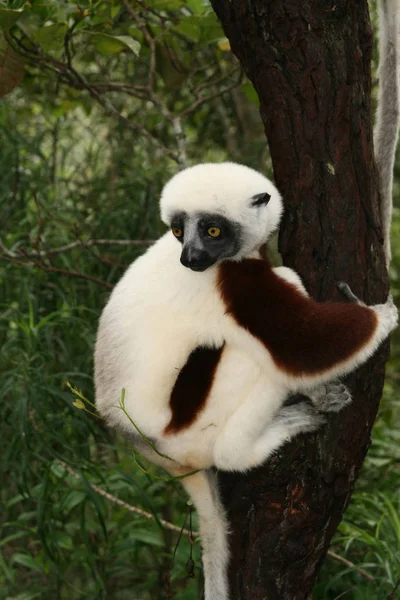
112	102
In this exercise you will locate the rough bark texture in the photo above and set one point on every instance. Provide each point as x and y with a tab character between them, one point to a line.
310	64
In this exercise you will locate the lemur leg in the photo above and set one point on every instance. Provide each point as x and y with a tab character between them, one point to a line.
333	396
288	422
258	427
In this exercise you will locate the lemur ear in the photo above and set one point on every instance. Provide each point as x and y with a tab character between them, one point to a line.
260	199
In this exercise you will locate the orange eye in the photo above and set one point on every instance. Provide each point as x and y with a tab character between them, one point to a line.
214	232
177	231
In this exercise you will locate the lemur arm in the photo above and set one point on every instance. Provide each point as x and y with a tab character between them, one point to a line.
308	341
388	110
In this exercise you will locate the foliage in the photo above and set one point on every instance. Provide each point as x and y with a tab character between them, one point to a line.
114	98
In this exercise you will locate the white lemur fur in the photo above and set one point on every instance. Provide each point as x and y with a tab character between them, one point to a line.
388	109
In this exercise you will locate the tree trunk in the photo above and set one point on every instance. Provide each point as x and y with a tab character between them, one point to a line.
310	64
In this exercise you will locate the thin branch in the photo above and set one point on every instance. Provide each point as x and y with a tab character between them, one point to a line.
393	593
181	141
51	269
210	83
115	86
204	99
77	274
348	563
72	246
343	594
14	261
151	42
111	110
130	507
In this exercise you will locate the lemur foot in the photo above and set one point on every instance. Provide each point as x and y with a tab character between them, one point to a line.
298	418
330	397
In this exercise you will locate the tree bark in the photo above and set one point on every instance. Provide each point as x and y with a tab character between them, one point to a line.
310	64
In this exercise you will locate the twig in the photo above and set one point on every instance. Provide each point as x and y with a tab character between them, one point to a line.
203	99
393	592
73	245
130	507
348	563
111	110
181	141
77	274
174	120
210	83
343	594
151	42
51	269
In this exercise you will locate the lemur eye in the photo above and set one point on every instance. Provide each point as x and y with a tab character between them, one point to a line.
214	231
177	231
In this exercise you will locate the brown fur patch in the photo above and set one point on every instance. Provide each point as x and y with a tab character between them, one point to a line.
302	335
192	387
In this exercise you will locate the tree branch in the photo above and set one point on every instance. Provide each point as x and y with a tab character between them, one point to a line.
51	269
211	96
130	507
72	246
392	594
348	563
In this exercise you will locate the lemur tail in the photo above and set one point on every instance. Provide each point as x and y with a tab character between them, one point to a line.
202	487
388	111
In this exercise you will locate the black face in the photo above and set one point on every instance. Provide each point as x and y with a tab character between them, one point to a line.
206	238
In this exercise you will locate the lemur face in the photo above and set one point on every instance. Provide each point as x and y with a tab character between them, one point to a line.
220	211
206	238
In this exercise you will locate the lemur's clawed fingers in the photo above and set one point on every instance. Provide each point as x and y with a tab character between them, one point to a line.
388	315
331	397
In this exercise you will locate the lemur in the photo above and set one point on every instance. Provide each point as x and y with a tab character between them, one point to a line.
208	340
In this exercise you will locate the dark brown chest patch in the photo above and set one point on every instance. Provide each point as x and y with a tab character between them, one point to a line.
192	387
302	335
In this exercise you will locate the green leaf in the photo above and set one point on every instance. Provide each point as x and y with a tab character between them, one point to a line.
205	29
29	23
73	499
63	540
129	42
108	45
95	501
146	536
190	28
26	560
9	17
168	4
199	7
11	67
250	92
51	37
172	77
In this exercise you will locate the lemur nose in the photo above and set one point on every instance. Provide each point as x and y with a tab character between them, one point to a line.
197	260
